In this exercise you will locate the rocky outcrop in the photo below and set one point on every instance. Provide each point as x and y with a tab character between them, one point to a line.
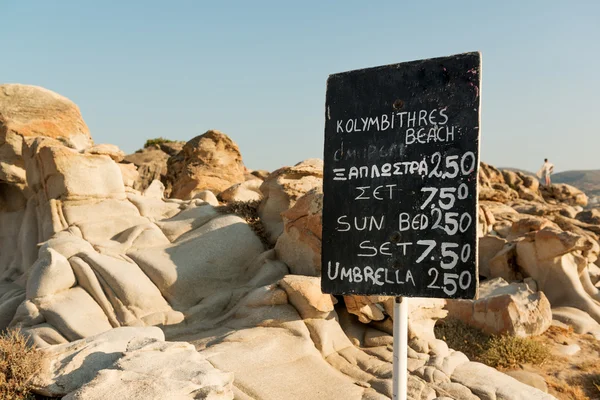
547	238
299	246
98	273
151	163
558	262
283	188
27	112
211	161
153	369
563	193
589	216
516	309
487	383
242	192
579	320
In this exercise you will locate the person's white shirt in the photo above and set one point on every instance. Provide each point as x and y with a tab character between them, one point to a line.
546	169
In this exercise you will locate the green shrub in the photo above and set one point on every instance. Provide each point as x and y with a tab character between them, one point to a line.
493	350
510	351
462	337
156	141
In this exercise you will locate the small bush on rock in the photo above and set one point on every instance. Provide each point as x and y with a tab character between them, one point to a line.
492	350
510	351
155	141
462	337
18	364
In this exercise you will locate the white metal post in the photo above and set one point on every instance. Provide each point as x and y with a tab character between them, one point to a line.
400	369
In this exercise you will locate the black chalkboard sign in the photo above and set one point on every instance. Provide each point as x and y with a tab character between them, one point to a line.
400	179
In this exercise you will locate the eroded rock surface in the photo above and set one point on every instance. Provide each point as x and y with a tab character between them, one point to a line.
99	268
151	163
211	161
516	309
283	188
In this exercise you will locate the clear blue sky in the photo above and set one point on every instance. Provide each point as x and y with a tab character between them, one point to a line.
257	70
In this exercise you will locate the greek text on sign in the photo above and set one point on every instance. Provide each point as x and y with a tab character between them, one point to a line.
400	180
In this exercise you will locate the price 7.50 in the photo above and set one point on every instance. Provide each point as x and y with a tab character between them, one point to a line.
447	196
447	253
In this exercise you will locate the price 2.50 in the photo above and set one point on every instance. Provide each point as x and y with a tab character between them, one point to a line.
453	166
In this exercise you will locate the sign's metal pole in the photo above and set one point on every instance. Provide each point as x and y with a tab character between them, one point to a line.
400	347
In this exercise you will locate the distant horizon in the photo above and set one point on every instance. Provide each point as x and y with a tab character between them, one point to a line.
258	72
557	171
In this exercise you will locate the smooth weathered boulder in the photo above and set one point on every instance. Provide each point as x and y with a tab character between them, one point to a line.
366	308
106	150
530	182
260	174
130	175
211	161
304	293
185	275
208	197
152	369
529	378
283	188
514	309
527	187
155	190
299	246
486	221
488	175
489	246
563	193
499	192
31	111
490	384
151	162
503	264
555	260
528	223
242	192
579	320
512	179
156	370
528	194
423	313
62	173
11	297
67	367
288	330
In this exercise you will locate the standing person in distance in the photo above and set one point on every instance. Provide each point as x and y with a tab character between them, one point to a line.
546	170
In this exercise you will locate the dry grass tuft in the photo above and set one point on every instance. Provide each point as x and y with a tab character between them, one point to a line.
18	364
589	381
495	351
565	390
595	380
588	366
248	210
